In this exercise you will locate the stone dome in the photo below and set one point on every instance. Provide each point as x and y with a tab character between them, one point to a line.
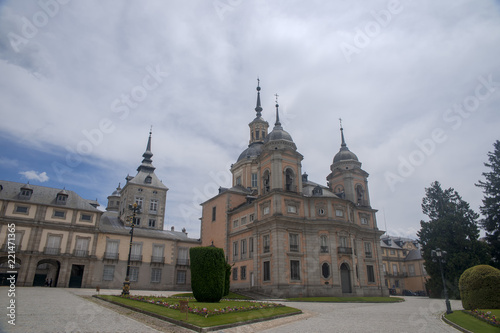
252	151
345	154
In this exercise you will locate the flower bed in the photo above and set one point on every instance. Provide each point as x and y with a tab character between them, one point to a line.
485	316
204	311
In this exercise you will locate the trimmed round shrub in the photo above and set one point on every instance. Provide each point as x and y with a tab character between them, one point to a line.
208	272
480	288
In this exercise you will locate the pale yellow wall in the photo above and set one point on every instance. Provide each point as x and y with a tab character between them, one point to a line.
11	206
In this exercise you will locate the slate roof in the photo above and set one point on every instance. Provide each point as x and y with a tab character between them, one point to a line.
110	223
45	196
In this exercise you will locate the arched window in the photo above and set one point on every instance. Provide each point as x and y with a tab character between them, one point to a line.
148	180
323	244
289	180
266	179
360	195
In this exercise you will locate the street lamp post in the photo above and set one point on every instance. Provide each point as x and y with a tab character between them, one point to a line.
126	285
438	255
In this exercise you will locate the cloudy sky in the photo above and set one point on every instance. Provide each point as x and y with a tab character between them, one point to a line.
416	83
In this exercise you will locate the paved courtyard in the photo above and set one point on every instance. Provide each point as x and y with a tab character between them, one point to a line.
65	310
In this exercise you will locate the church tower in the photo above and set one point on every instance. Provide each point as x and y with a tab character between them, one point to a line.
147	190
347	179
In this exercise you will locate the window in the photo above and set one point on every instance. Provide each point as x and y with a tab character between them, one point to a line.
137	221
235	224
294	270
214	213
294	242
134	274
235	250
289	180
254	180
394	269
61	198
265	211
26	193
339	212
152	223
235	273
364	220
321	211
153	205
138	201
136	252
323	244
343	241
111	249
393	252
325	270
250	247
243	248
181	277
384	268
291	209
183	256
243	272
82	247
368	250
243	220
251	217
411	270
59	214
267	271
22	209
148	180
86	217
157	253
155	275
53	244
371	273
266	243
238	180
108	273
396	283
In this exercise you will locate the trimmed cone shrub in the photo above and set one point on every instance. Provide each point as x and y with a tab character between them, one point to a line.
227	280
480	288
208	272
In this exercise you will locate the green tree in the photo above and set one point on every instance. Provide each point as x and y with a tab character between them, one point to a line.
208	272
453	228
491	203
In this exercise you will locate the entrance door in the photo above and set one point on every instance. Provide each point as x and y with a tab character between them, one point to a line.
345	278
75	280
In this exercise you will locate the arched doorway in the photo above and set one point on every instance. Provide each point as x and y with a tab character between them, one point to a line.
7	266
46	270
345	278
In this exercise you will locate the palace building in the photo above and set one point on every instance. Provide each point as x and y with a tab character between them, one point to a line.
287	236
63	238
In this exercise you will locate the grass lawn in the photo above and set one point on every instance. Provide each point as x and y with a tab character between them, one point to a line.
348	299
472	324
233	316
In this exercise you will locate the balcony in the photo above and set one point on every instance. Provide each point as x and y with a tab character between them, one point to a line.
135	257
266	249
80	253
368	254
344	250
294	248
323	249
52	250
158	260
182	262
111	255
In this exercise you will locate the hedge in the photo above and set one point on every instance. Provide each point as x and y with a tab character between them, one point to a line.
208	272
480	288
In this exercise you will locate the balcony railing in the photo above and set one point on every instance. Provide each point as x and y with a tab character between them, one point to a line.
182	262
294	248
111	255
52	250
7	248
266	248
80	253
323	249
160	260
344	250
135	257
368	254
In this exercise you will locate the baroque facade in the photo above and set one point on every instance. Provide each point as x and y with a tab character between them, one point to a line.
288	236
63	238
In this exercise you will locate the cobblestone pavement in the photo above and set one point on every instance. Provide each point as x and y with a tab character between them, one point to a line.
73	310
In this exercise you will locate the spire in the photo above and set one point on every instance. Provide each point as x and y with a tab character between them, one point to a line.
147	162
277	124
258	108
342	134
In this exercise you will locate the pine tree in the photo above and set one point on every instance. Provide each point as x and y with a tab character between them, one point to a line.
453	228
491	203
